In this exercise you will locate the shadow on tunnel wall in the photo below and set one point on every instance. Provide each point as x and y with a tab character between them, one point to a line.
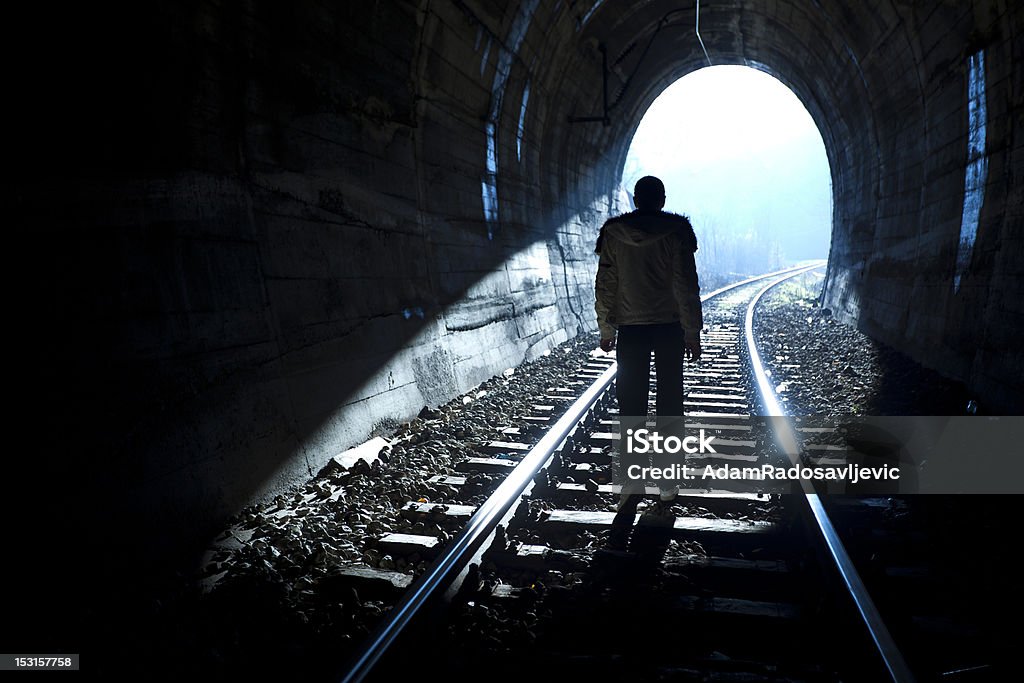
248	222
163	429
160	449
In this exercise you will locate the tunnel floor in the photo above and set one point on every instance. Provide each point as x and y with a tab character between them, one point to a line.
280	591
821	366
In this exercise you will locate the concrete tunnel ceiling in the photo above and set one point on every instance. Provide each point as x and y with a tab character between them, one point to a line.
651	45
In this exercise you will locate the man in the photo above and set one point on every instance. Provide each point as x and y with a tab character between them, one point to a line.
647	291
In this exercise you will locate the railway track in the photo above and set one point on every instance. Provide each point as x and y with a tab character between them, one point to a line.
722	584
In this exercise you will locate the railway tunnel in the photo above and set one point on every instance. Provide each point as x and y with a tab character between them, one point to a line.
274	229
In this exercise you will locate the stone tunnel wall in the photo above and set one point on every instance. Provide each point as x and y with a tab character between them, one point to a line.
931	262
268	225
273	232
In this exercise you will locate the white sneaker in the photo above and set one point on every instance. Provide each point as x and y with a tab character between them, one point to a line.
668	495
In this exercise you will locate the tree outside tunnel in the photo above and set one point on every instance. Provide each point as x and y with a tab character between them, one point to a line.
742	157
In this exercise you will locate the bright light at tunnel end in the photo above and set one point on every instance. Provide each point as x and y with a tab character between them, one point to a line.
742	157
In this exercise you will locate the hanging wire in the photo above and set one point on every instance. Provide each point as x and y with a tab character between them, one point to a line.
699	39
664	22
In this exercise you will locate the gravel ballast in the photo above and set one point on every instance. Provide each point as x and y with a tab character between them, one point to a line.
820	366
277	591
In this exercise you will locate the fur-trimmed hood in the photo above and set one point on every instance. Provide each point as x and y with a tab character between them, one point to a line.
639	228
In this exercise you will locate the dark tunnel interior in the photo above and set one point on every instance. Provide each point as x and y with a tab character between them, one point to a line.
259	231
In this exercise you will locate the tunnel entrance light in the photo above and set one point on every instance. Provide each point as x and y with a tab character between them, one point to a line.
741	156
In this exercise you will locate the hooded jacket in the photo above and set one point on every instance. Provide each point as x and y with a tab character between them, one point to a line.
647	274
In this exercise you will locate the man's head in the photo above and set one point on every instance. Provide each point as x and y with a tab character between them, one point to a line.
649	194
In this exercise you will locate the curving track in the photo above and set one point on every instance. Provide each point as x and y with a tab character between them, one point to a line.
720	563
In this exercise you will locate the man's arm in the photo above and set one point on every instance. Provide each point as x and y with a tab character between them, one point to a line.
686	289
606	289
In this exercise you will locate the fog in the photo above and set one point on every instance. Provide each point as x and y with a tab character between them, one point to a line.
739	155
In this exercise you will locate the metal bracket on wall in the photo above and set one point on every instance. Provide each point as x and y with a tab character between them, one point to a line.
605	119
664	22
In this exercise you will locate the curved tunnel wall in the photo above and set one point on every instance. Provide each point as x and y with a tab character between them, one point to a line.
274	224
888	85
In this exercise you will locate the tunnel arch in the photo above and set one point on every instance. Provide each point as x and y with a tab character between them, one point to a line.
838	101
284	201
742	157
886	87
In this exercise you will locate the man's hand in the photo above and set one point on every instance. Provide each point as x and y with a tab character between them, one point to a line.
692	349
608	344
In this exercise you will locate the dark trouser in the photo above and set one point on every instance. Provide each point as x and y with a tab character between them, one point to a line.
632	385
635	345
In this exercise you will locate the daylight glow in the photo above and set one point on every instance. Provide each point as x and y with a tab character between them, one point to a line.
741	156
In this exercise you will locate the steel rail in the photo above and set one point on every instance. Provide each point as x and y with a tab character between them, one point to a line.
794	270
490	513
887	649
478	527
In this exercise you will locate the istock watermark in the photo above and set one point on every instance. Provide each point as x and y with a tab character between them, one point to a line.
858	455
650	441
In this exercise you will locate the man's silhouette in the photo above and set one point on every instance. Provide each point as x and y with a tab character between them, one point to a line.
647	291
